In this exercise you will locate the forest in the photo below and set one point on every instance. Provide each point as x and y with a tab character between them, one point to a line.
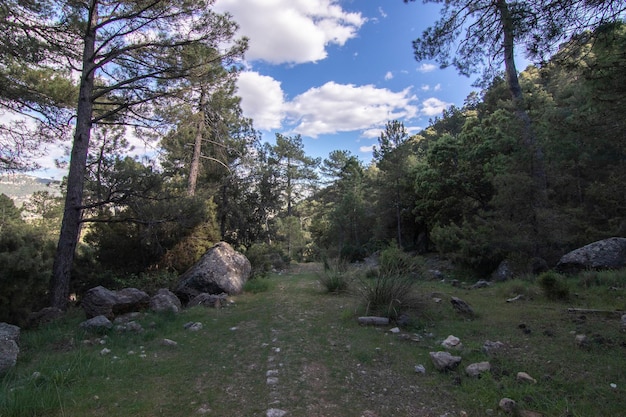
522	175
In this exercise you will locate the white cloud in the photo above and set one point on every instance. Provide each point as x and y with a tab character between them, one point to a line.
433	106
382	12
367	149
427	68
425	87
262	99
389	76
437	87
291	31
334	108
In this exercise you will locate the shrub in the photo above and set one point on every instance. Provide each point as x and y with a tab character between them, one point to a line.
394	261
256	285
389	295
334	277
264	258
554	286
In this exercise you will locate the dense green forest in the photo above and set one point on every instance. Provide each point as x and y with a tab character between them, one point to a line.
465	187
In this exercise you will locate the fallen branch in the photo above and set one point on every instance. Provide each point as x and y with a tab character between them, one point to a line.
618	313
374	321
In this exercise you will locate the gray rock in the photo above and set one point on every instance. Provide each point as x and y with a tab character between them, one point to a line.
581	341
98	301
208	300
481	284
491	347
420	369
275	412
475	369
220	270
444	361
623	323
9	332
130	300
168	342
603	254
503	272
165	300
97	323
462	307
452	342
9	349
524	377
102	301
193	326
507	405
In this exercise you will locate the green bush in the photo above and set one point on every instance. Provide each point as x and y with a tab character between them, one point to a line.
389	295
394	261
554	286
334	277
256	285
265	258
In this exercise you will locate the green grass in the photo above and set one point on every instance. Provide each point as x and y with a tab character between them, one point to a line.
327	364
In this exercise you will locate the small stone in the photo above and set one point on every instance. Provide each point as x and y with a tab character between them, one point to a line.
395	330
272	380
623	323
443	361
420	369
507	405
452	342
581	340
490	347
523	376
168	342
272	372
475	369
194	327
275	412
462	307
613	385
105	351
481	284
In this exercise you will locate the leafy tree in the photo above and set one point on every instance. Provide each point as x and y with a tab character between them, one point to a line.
395	156
25	262
35	93
341	215
127	54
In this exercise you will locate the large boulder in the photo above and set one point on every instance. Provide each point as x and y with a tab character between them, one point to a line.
165	300
603	254
100	301
9	349
220	270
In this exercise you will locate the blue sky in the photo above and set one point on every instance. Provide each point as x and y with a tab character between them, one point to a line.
335	71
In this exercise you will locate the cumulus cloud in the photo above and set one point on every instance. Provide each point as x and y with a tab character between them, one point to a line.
336	107
291	31
262	99
427	68
433	106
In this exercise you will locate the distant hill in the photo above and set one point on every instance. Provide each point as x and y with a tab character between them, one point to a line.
20	187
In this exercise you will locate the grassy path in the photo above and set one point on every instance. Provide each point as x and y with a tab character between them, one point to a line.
298	350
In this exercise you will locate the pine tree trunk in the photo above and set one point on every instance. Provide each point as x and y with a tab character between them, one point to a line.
529	138
70	226
194	168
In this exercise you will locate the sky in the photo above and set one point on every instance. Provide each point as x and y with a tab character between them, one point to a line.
333	71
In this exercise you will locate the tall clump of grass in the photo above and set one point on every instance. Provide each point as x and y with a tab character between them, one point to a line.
554	286
334	278
390	290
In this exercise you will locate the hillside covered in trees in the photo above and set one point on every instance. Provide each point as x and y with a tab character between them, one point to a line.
471	186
